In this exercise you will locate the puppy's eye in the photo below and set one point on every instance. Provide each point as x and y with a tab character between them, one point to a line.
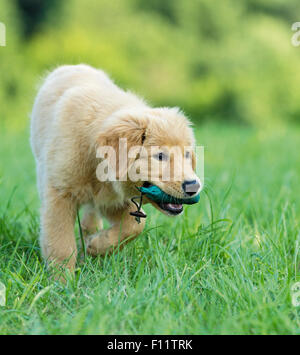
161	156
187	155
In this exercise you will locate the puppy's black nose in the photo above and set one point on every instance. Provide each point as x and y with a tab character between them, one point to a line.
190	188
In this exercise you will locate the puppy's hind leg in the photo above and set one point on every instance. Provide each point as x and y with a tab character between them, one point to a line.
124	228
91	221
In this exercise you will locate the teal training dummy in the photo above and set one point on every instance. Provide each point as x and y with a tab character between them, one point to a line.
157	195
164	200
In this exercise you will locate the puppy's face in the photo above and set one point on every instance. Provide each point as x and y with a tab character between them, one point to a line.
160	151
167	159
171	168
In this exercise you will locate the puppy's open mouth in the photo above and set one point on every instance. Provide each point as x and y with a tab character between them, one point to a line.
171	208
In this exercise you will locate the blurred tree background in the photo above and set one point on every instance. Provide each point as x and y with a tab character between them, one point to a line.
227	60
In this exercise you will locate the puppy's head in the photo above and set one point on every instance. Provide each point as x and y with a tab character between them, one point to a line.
153	147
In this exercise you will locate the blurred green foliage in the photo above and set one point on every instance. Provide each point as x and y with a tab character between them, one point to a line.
224	60
34	13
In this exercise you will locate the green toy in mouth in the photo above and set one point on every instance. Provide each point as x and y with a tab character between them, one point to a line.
171	204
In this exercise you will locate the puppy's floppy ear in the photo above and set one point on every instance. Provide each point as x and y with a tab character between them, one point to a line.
129	124
126	125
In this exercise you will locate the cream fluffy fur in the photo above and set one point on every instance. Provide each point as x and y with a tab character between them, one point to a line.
78	109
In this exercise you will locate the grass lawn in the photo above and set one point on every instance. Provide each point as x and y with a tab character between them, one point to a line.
226	266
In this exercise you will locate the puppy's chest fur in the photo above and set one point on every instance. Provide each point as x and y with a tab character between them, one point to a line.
109	195
103	195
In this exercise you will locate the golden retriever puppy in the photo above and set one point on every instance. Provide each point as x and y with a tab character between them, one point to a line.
79	110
